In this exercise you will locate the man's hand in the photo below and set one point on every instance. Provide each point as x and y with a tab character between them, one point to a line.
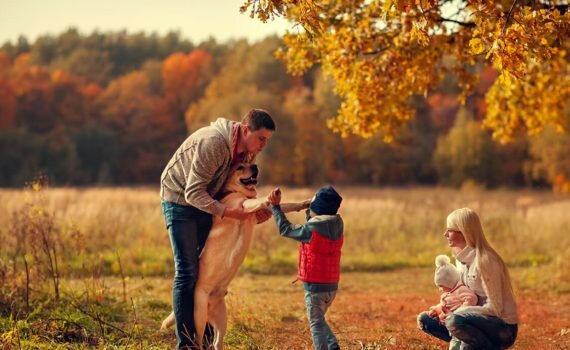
275	197
237	213
263	215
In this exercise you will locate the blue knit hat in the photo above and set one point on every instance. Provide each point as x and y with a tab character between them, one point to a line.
326	201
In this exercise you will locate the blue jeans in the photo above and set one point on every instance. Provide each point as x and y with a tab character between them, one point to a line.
470	331
476	331
188	228
431	326
317	305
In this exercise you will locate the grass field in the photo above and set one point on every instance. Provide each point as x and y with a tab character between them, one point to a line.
114	266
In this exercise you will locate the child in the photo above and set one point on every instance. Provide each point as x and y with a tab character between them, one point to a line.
455	294
321	239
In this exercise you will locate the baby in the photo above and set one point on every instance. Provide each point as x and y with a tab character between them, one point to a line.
454	293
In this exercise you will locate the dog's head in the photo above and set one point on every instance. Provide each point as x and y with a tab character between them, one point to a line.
243	179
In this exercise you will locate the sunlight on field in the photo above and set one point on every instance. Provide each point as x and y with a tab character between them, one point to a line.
385	228
113	257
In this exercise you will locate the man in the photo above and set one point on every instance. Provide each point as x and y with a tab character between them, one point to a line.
189	184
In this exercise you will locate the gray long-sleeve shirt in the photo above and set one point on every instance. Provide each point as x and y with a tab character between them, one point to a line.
199	167
329	226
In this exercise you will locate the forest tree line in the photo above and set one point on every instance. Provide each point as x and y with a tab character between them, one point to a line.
111	108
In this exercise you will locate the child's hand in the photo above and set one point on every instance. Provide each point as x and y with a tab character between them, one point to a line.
275	197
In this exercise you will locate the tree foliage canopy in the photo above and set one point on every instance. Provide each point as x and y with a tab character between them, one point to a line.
380	53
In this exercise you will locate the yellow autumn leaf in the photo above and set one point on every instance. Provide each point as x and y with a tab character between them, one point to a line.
476	46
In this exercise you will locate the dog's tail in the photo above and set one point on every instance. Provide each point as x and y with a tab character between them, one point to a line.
168	322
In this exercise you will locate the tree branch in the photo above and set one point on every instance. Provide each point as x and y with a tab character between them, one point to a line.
509	15
461	23
98	318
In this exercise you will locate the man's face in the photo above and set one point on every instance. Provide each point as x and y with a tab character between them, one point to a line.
255	141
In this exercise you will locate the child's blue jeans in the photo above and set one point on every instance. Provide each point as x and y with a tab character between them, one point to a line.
188	228
317	305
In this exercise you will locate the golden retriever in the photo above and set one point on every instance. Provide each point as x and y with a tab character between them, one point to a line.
225	249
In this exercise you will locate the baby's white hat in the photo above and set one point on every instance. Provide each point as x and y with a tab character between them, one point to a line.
446	274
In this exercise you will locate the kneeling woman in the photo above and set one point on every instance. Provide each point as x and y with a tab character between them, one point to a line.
492	324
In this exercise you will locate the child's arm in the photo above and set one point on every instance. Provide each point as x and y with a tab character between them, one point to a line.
274	198
289	207
286	228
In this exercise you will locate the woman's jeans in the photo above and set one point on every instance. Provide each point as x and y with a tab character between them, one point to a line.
188	228
317	305
470	331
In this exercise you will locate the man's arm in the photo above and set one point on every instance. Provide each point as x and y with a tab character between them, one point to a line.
207	159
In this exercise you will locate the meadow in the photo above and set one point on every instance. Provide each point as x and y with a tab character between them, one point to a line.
93	267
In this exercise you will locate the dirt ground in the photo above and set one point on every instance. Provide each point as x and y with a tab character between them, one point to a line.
378	311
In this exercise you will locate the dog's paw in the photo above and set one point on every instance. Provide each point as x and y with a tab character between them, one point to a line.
168	322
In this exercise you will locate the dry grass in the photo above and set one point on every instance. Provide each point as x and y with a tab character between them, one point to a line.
393	231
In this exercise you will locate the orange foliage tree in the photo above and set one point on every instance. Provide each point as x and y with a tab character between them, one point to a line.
380	53
7	104
184	78
143	123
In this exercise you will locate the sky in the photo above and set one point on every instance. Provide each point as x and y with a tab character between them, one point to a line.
196	20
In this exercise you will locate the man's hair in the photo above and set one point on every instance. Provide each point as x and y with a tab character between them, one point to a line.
258	119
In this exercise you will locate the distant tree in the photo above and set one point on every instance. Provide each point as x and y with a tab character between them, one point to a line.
34	94
24	155
406	160
184	78
549	159
309	141
67	42
465	153
170	43
92	65
510	159
44	50
153	71
7	104
338	149
242	78
98	154
146	131
443	110
5	63
382	52
22	46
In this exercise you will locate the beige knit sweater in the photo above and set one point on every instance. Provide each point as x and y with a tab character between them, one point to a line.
199	167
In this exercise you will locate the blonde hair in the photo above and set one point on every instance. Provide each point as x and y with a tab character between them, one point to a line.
488	260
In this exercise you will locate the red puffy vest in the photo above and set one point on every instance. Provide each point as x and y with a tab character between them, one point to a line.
319	260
